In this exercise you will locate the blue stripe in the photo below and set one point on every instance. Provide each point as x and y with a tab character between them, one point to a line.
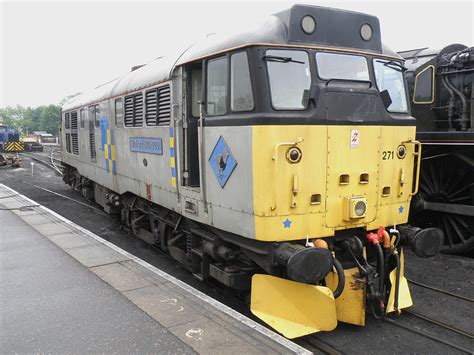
112	138
171	152
103	132
171	132
107	165
109	149
114	168
173	172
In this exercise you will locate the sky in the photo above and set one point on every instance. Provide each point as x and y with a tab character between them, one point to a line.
50	50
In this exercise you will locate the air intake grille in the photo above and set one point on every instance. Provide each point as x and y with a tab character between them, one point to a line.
158	106
164	109
134	110
75	143
74	120
92	143
68	142
151	107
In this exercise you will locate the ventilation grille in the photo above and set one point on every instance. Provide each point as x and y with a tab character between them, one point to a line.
92	143
74	120
158	106
152	107
68	142
134	110
75	143
164	108
67	123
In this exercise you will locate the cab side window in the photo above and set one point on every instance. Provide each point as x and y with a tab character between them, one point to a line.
216	103
424	86
241	97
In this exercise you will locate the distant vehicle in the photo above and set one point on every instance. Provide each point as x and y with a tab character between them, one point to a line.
440	84
32	146
10	140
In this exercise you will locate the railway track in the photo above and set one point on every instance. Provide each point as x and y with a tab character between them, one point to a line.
417	322
435	337
49	162
440	291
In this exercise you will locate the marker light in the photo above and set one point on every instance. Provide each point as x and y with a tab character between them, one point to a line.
366	32
401	151
293	155
308	24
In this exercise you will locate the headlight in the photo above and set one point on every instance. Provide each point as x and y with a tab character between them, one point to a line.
354	208
360	208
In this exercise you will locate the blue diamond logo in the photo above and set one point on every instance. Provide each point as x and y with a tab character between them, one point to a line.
222	161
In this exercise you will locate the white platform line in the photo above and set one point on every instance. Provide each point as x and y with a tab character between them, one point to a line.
220	306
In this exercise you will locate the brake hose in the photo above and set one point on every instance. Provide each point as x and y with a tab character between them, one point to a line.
341	278
380	265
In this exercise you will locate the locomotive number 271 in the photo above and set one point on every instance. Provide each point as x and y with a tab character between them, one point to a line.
387	154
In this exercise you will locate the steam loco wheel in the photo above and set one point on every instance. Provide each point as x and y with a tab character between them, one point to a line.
446	199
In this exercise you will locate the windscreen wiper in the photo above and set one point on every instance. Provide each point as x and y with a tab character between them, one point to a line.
275	58
394	65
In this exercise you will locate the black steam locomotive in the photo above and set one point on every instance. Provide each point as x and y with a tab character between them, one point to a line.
440	84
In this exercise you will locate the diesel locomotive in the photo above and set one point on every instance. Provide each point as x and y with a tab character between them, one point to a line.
10	140
279	162
440	85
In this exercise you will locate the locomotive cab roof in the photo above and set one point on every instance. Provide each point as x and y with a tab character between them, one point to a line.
301	25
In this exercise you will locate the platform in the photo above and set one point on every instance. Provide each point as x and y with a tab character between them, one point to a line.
63	289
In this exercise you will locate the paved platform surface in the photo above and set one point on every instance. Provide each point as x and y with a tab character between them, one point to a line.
65	290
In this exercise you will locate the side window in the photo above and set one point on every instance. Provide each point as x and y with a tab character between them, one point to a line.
118	112
241	98
216	102
196	90
67	122
97	116
82	118
424	86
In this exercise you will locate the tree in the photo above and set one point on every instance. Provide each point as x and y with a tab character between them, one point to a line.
26	120
50	119
13	116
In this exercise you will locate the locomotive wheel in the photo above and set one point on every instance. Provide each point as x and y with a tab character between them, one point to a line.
446	200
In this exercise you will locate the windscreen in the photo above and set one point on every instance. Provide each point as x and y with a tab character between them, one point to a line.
389	76
342	66
290	78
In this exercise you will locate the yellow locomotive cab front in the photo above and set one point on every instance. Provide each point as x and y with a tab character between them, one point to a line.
344	177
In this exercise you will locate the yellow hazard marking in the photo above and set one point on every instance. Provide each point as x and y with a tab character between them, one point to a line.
404	296
293	308
14	147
